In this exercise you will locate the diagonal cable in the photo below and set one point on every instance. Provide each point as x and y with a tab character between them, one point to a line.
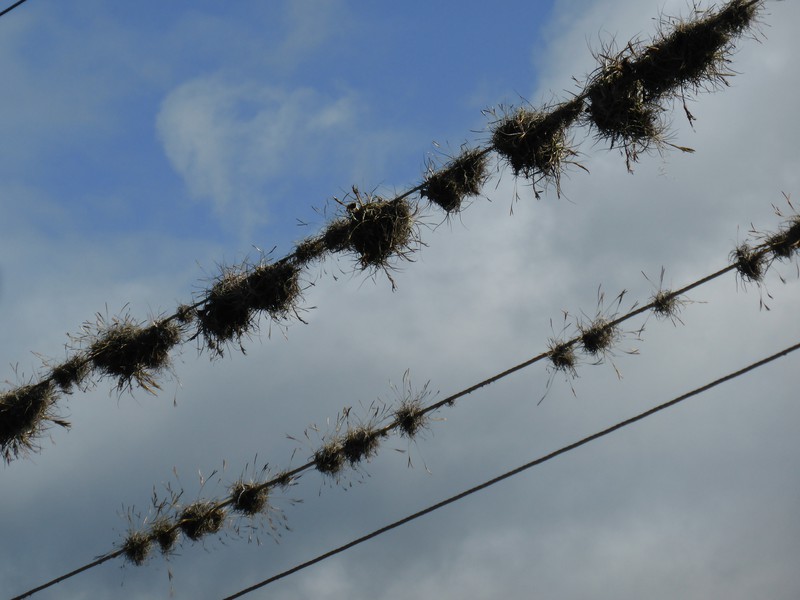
514	472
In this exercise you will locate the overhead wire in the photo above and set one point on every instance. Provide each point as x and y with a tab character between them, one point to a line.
514	472
65	376
448	401
12	7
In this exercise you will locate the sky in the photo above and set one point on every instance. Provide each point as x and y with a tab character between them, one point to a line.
146	146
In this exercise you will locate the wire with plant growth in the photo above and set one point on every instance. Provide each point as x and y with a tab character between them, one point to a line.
354	443
517	471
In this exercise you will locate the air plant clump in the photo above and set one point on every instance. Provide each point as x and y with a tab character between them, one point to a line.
410	418
694	53
535	143
666	304
750	263
225	313
598	336
24	413
787	241
165	534
136	547
379	230
274	288
360	443
71	373
133	353
248	498
620	108
229	307
464	176
200	519
329	459
562	357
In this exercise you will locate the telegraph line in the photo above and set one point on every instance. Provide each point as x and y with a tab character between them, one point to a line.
448	401
12	7
513	472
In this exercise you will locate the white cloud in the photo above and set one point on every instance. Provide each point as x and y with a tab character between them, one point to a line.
227	139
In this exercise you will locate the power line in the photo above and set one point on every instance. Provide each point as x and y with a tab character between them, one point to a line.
12	7
448	401
525	140
513	472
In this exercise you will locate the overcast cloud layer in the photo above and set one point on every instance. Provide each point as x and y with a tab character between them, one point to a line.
150	147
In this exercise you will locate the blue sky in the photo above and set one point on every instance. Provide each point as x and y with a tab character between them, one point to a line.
145	145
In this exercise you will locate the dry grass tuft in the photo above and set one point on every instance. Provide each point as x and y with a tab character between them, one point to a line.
132	353
329	459
200	519
535	143
229	308
248	498
410	418
750	263
71	373
464	176
136	547
360	443
598	336
24	415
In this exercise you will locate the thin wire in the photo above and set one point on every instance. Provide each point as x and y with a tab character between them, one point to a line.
12	7
516	471
450	400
